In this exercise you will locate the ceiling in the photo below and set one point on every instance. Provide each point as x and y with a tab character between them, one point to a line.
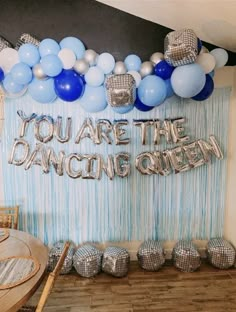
213	21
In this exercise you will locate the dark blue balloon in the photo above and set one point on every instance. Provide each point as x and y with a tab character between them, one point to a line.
199	45
142	107
207	90
1	74
69	86
163	70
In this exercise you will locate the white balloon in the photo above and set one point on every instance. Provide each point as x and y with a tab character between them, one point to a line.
8	58
136	75
67	57
221	57
206	61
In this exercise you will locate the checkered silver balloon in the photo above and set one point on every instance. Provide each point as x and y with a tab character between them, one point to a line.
4	44
220	253
180	47
151	256
54	255
186	257
120	90
116	261
87	261
27	38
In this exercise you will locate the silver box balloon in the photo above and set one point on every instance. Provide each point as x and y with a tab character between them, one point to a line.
220	253
120	90
180	47
54	255
185	256
151	256
116	261
4	44
87	261
27	38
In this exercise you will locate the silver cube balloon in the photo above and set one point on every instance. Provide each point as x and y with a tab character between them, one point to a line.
151	256
120	90
87	261
4	44
116	261
27	38
220	253
180	47
54	255
186	257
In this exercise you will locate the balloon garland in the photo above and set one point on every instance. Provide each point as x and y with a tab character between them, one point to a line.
67	70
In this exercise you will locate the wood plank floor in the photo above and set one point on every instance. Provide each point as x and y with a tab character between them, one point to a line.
208	289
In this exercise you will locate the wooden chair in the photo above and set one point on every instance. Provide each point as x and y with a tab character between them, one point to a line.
49	284
9	217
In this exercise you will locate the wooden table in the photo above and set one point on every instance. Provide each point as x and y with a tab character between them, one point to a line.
22	244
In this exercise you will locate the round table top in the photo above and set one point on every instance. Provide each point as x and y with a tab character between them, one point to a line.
22	244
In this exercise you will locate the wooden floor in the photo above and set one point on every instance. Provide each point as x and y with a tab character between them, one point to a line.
208	289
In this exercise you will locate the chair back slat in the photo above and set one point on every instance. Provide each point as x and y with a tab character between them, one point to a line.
9	217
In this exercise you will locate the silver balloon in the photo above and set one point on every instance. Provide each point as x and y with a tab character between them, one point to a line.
87	131
13	156
120	68
37	125
210	148
81	66
162	128
178	159
91	56
162	163
56	161
145	163
38	157
58	130
194	155
146	69
157	57
108	167
103	129
68	165
122	165
118	132
25	121
38	72
143	124
177	131
89	172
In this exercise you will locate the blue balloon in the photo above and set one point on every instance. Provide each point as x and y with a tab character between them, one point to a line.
73	44
163	70
106	62
94	76
94	99
207	90
133	62
21	73
69	86
123	109
141	107
29	54
51	65
48	46
11	86
1	74
42	90
188	80
199	45
169	88
152	91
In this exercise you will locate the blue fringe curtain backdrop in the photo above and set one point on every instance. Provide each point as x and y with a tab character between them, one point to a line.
138	207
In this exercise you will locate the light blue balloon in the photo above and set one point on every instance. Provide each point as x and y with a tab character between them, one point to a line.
42	90
94	76
188	80
48	46
123	109
21	73
94	99
11	86
152	91
75	45
29	54
51	65
169	89
106	62
133	62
